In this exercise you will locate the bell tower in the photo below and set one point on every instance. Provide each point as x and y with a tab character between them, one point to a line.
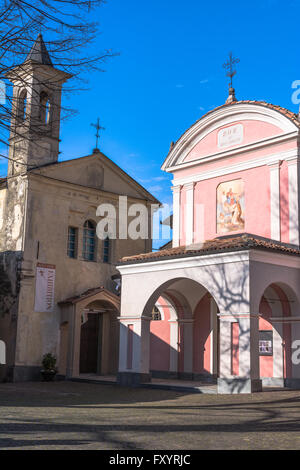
36	106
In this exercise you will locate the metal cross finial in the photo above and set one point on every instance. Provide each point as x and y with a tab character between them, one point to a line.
99	128
229	67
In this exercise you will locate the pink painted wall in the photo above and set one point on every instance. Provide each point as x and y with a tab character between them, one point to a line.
253	132
257	203
201	337
257	181
266	362
160	340
235	353
199	167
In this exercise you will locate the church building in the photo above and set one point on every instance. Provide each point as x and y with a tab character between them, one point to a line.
58	281
227	291
220	304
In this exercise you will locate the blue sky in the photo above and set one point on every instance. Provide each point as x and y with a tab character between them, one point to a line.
169	73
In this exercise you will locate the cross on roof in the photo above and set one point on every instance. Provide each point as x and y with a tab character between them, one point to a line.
229	67
97	135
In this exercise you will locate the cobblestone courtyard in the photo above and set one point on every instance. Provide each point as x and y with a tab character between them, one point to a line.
68	415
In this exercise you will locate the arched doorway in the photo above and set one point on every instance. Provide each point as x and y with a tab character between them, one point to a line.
178	331
89	334
278	324
99	339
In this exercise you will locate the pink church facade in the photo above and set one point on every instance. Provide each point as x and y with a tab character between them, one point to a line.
226	293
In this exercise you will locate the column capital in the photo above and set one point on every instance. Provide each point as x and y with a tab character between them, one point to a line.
275	165
292	160
127	319
232	317
189	186
176	188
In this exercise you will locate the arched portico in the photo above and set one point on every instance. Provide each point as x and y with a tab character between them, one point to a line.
237	283
90	334
182	344
279	328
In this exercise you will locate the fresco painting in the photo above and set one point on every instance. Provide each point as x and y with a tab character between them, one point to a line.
230	206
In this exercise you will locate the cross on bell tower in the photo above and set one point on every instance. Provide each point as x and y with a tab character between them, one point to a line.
229	66
97	135
36	106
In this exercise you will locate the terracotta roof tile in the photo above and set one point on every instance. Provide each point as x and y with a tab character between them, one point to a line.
221	244
87	293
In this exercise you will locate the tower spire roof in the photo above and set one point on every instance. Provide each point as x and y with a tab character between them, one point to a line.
39	53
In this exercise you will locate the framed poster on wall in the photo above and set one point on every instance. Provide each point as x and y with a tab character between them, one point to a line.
266	343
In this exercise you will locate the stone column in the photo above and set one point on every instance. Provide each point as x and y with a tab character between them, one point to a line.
176	215
173	345
134	342
275	200
74	342
247	380
293	175
189	214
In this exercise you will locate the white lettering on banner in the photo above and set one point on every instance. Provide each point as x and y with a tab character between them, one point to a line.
232	135
44	288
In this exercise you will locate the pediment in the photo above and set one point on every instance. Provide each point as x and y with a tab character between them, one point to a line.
231	127
97	171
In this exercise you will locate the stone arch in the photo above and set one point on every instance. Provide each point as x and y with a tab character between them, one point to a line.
45	108
22	104
174	348
76	312
278	315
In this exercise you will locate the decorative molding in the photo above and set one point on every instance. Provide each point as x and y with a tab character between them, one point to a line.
222	117
185	262
237	167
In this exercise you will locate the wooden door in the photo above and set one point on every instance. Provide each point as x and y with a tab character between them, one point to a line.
89	345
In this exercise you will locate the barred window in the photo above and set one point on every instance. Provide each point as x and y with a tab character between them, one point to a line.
106	250
72	242
89	241
156	316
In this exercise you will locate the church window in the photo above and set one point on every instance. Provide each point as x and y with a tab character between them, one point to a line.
45	108
106	250
22	105
72	242
89	241
156	316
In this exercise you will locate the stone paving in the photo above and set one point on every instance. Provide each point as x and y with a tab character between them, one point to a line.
71	415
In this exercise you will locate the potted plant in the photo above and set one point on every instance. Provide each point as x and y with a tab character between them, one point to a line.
49	369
